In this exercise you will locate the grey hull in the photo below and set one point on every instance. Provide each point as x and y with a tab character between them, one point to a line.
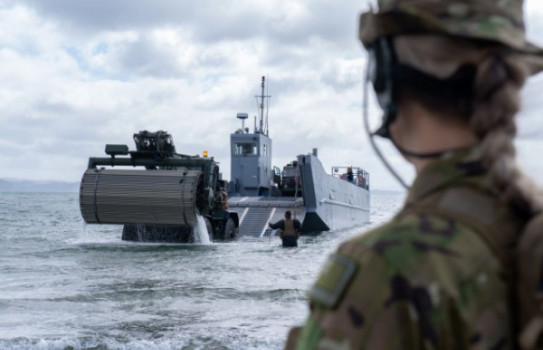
328	203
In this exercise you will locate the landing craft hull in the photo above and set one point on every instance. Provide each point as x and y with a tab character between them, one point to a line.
328	203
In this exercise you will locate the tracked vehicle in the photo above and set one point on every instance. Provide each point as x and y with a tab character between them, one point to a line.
157	194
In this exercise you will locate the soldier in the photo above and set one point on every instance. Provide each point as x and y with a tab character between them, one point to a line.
440	274
350	174
290	230
221	195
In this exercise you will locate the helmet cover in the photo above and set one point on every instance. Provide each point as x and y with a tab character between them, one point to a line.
496	21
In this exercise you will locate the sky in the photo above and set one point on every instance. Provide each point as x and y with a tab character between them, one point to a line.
76	75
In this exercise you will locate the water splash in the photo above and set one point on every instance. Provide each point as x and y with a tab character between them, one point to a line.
201	236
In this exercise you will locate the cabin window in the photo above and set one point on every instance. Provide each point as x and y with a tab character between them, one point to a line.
245	148
264	150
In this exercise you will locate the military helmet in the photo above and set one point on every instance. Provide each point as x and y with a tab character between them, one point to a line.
497	21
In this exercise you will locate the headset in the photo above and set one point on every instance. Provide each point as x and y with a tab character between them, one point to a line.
382	60
385	73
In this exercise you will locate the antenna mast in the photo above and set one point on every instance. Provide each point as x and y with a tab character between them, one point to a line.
260	102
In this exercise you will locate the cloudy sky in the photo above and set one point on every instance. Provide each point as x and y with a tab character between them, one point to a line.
75	75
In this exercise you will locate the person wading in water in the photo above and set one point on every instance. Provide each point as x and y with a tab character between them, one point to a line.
290	230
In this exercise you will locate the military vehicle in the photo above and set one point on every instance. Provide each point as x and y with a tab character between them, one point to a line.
290	183
260	193
162	196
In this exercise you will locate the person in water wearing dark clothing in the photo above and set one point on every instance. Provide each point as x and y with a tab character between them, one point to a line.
290	230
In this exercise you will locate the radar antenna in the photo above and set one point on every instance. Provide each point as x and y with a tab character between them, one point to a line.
263	122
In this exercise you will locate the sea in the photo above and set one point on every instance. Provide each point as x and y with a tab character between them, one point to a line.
68	285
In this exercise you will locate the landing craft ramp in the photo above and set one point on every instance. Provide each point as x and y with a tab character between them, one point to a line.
256	212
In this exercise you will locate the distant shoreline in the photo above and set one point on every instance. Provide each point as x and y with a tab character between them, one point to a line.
51	186
26	186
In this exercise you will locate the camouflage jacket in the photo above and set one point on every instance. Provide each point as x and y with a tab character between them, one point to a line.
434	277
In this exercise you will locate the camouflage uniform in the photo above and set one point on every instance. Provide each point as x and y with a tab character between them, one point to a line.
429	279
438	275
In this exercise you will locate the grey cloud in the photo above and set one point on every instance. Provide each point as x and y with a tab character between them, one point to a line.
534	27
530	118
46	107
343	77
146	58
330	21
114	15
210	20
324	28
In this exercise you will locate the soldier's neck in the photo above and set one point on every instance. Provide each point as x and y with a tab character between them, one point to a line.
421	131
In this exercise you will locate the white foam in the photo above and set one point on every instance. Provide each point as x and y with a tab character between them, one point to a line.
201	236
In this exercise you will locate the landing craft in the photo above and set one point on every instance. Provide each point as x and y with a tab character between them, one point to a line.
159	195
259	193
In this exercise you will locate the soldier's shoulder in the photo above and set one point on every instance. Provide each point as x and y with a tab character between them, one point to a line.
422	249
408	227
416	235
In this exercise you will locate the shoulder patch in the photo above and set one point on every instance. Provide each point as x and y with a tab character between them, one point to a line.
334	278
